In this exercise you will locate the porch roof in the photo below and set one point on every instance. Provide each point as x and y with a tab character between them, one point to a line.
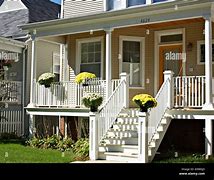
11	45
145	14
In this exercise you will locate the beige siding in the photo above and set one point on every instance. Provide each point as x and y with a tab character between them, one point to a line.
194	33
82	7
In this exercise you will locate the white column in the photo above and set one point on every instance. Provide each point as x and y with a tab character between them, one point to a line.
208	63
33	71
208	137
143	137
124	76
108	62
93	137
168	75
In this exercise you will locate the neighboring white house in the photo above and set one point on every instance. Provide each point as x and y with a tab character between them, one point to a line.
163	48
14	45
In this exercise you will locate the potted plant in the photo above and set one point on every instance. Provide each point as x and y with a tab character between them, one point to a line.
46	79
92	101
84	77
145	101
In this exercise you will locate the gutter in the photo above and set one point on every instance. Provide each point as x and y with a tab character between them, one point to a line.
12	42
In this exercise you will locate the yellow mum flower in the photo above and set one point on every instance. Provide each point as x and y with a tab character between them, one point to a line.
80	78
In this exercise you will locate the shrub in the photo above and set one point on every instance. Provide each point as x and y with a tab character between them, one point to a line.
81	149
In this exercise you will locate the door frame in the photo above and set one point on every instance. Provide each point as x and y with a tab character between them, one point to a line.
157	35
142	58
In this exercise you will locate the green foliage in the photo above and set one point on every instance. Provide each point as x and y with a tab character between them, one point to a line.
8	136
81	148
53	142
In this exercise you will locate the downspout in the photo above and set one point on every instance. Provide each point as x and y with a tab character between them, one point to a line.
23	80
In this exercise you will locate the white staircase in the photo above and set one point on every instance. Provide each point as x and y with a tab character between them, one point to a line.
121	141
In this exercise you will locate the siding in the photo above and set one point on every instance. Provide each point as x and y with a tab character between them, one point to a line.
82	7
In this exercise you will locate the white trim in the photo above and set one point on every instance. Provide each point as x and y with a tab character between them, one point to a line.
78	51
157	35
142	58
199	43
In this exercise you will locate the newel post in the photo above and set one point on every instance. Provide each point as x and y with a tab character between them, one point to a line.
168	76
143	137
93	136
124	76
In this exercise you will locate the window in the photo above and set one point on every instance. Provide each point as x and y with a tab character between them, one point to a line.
56	66
90	56
171	38
201	52
136	2
132	54
122	4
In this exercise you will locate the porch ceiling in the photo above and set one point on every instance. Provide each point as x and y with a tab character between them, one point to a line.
151	15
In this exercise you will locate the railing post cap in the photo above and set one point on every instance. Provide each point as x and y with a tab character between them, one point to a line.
142	114
93	113
168	72
123	74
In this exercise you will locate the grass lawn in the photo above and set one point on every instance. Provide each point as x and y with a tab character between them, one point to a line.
19	153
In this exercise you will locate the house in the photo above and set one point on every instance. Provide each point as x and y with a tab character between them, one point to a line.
160	47
14	50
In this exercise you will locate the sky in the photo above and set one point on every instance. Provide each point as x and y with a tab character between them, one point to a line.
56	1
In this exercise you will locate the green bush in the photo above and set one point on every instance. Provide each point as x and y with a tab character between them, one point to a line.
53	142
81	149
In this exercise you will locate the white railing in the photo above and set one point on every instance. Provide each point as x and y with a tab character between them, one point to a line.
189	91
11	91
156	114
67	94
11	121
111	109
114	84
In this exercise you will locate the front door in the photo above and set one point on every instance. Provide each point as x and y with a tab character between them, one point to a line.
170	58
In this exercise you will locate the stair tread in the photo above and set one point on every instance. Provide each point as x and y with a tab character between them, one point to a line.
122	154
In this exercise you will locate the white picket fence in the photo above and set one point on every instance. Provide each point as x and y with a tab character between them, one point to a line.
11	121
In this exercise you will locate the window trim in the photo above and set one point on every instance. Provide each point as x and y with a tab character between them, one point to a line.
199	43
78	52
142	58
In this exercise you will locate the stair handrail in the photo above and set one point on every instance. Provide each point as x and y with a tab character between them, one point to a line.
112	107
164	98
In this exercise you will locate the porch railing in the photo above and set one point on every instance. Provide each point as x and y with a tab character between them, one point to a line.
66	94
189	91
11	91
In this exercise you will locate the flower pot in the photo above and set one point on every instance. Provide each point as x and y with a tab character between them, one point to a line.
143	109
93	109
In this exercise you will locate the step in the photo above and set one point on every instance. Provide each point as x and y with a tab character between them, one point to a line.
119	148
117	156
156	136
160	128
121	141
152	143
115	133
125	127
164	121
131	112
127	120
